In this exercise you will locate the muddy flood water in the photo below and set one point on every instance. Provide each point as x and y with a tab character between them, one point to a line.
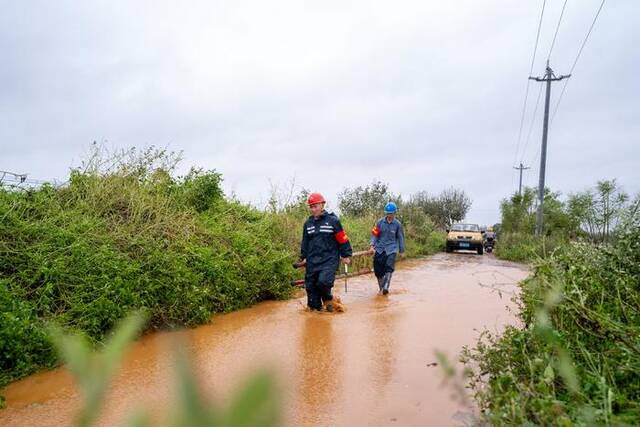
372	365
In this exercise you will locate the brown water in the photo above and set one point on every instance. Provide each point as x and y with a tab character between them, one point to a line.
369	366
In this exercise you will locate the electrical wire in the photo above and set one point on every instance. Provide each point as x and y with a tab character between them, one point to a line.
526	93
584	42
555	35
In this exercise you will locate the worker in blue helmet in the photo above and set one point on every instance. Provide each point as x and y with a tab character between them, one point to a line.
387	240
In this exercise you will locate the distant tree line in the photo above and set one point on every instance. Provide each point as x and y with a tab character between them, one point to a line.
449	206
594	213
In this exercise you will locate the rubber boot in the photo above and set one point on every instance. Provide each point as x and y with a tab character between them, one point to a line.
380	283
387	283
334	305
338	306
327	302
328	305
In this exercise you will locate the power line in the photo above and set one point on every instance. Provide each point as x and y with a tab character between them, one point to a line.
555	36
553	43
535	170
584	42
533	120
526	93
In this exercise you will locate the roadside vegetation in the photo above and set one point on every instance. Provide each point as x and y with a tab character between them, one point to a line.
126	233
589	216
575	357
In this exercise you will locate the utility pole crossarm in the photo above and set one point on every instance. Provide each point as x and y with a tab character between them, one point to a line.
550	79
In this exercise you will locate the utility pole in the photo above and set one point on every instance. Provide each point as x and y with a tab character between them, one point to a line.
520	168
548	77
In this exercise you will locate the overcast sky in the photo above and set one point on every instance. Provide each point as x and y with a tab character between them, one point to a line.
422	95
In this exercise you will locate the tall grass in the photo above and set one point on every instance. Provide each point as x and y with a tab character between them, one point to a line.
85	255
125	235
524	247
576	357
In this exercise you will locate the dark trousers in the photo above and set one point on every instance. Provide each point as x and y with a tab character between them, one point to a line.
383	263
318	285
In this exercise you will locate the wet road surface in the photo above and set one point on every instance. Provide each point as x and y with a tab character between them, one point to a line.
372	365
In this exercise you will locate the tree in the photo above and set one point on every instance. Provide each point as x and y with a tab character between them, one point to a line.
580	207
361	201
609	204
455	204
598	211
557	221
518	213
448	207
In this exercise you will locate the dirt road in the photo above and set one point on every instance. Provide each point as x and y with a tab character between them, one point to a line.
372	365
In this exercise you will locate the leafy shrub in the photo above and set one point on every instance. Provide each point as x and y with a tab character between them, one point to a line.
23	340
576	357
523	247
125	235
84	255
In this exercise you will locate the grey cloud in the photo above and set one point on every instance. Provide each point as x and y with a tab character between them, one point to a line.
423	95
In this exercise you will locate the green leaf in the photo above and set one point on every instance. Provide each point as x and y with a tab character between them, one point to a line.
93	371
549	374
256	405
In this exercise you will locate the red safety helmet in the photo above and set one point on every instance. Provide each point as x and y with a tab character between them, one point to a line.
315	198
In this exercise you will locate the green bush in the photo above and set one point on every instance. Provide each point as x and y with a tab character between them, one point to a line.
524	247
23	339
84	255
576	357
132	237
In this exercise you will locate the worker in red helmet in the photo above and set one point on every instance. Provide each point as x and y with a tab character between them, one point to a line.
324	243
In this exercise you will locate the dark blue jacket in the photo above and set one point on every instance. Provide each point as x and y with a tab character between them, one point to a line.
324	241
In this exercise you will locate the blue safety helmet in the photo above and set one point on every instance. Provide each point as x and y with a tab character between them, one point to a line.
390	208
